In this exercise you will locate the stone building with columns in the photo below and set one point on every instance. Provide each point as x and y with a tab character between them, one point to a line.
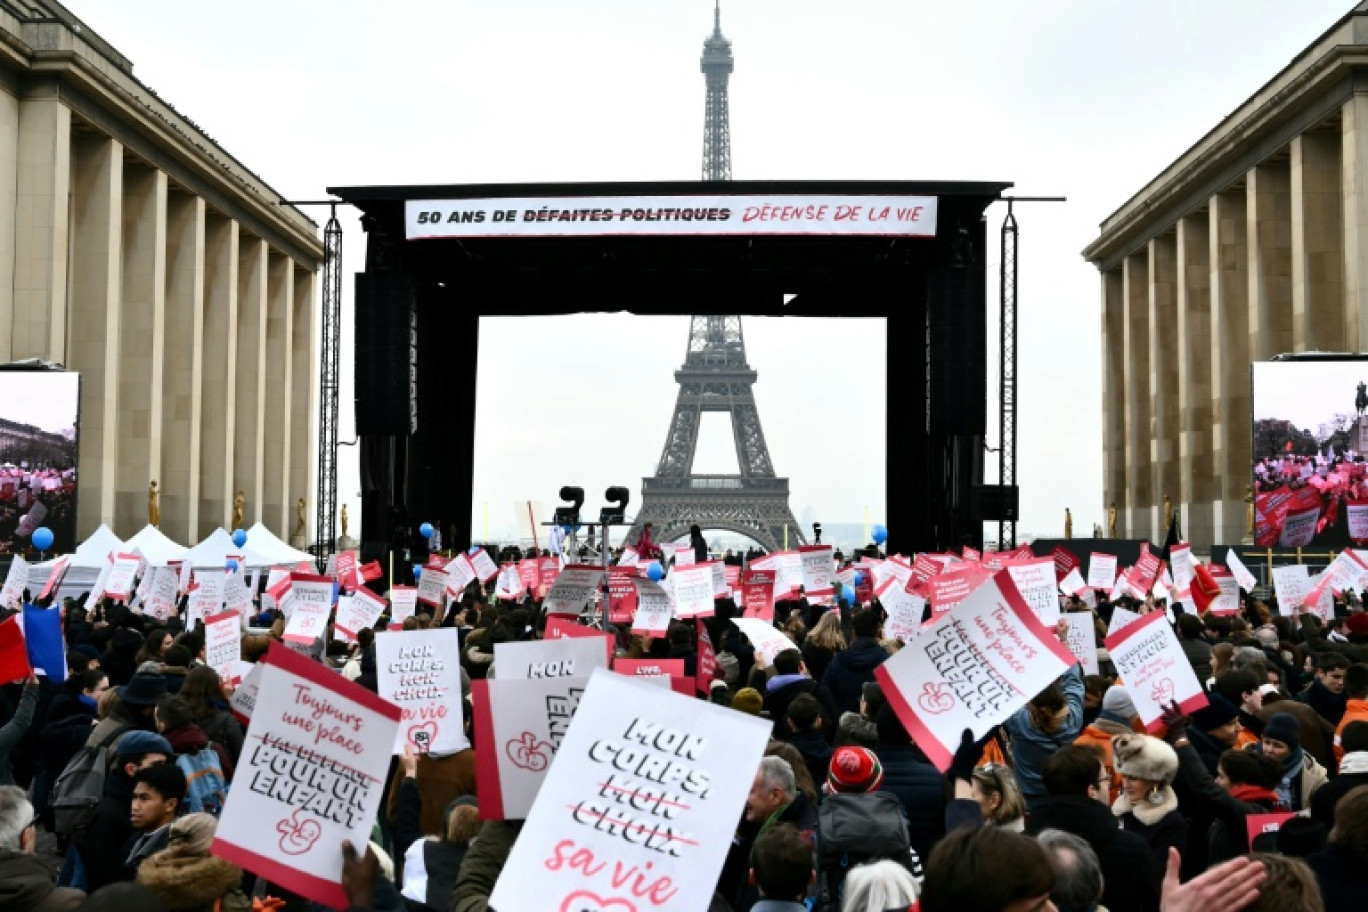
1252	244
136	250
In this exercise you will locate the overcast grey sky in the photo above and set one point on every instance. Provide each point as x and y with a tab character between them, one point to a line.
1084	98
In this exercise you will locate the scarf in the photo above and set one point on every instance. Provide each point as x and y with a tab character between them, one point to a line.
1355	762
1289	790
1146	812
1256	794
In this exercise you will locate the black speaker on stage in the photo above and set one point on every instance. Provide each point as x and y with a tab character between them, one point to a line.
386	354
957	370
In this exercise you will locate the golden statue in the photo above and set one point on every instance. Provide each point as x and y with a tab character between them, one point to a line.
153	505
1111	520
1068	523
301	527
344	520
239	501
1168	513
1249	514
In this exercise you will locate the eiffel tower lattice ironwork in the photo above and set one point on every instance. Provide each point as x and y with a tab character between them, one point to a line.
755	503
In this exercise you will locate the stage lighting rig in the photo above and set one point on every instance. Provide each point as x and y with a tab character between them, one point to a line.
616	513
570	516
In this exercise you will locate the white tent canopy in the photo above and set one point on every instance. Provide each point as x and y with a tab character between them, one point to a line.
215	550
95	550
263	541
155	547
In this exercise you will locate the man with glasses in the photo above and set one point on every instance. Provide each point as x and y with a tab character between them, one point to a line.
26	884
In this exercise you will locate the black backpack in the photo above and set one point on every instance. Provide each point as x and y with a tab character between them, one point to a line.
80	787
854	829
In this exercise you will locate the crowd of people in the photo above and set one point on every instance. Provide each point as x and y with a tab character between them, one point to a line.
1255	801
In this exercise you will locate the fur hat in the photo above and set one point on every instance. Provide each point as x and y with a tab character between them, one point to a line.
854	769
1143	757
748	700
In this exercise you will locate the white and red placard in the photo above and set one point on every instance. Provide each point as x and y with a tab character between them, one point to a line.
123	571
432	586
459	574
788	571
563	628
1156	672
972	668
223	644
757	595
236	595
563	657
693	590
1183	566
1242	574
519	725
818	565
904	609
694	215
311	599
403	603
1083	640
721	588
1291	583
54	578
243	700
896	567
1299	525
707	659
16	581
348	571
684	555
482	564
312	774
629	557
1035	580
654	610
1101	571
645	781
1072	583
508	583
419	671
669	668
206	593
574	588
1228	602
767	641
1357	511
954	584
1122	618
621	595
362	609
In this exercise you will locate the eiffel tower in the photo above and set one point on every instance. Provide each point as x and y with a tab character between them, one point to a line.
716	378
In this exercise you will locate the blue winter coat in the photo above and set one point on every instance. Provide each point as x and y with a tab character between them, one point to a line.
1031	747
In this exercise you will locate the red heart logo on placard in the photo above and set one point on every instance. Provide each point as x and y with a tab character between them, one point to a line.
936	699
584	901
1162	692
298	836
423	736
529	753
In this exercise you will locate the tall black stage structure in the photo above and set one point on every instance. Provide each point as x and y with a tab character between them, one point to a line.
419	302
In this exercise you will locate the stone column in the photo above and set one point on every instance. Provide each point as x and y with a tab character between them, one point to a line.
1230	314
1114	441
250	378
1317	243
1163	365
303	478
1140	499
183	368
1354	192
219	399
279	353
1194	345
93	344
142	330
9	190
41	238
1269	210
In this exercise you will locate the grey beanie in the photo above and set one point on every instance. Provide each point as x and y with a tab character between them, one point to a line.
1117	705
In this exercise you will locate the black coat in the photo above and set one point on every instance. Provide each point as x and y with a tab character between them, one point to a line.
921	789
850	670
1329	705
110	829
777	703
1228	837
816	753
1343	879
1130	874
1170	831
1328	795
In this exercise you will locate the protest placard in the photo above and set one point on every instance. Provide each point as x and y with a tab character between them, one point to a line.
1183	565
684	555
1101	571
1291	583
312	773
1035	580
432	585
482	564
817	563
348	570
894	567
16	581
905	609
519	725
1072	583
954	584
419	671
403	603
1064	561
459	574
529	568
719	580
243	700
768	642
1257	825
311	598
787	567
639	807
1242	574
693	590
54	578
1122	617
1154	668
508	583
561	657
629	557
206	593
1083	640
363	608
757	595
223	644
972	668
122	571
558	628
1228	602
621	595
575	587
670	668
707	659
653	608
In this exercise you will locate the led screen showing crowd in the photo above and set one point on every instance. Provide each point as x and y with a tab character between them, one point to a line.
39	416
1310	452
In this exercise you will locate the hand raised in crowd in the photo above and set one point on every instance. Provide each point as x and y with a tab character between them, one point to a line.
1176	721
967	754
1227	887
1062	631
358	875
410	762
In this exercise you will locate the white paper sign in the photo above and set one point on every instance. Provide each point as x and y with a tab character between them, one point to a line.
1083	640
362	609
1291	583
972	668
573	589
905	609
16	581
432	584
566	657
818	566
646	780
693	590
1241	572
311	600
403	603
482	564
206	593
1299	528
459	575
1154	668
312	774
419	671
767	641
223	644
243	700
1122	617
1072	584
654	609
123	570
1101	571
684	556
1035	580
1182	564
523	722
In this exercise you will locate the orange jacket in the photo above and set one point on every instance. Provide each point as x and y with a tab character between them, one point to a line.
1099	735
1354	711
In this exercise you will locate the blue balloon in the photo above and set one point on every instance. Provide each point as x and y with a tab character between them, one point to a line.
859	578
848	593
880	535
425	530
231	565
239	537
417	572
42	538
655	572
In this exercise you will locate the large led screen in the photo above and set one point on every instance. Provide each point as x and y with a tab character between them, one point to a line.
39	417
1310	453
